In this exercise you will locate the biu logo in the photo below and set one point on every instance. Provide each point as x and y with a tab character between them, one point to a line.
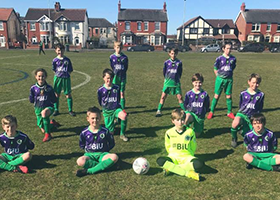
11	151
118	67
197	104
42	98
112	99
250	105
96	146
173	71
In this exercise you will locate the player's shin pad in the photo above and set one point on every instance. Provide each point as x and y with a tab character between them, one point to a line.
174	168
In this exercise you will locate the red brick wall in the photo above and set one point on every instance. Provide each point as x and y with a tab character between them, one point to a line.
5	34
35	33
241	27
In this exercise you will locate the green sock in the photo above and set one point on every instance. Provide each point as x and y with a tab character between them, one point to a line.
213	105
259	164
160	106
122	103
182	106
105	164
70	104
234	132
46	124
229	105
17	161
269	161
6	166
90	163
174	168
123	126
56	104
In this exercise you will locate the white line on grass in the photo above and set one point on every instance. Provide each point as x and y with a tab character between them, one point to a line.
13	57
73	88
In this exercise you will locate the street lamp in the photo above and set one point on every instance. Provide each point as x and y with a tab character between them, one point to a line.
183	29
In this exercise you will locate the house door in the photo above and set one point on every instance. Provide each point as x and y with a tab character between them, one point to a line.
2	41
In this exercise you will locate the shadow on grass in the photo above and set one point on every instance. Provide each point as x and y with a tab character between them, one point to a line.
147	131
40	161
164	110
137	154
270	109
75	131
215	132
277	134
214	156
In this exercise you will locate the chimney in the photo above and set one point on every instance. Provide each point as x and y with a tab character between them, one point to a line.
119	6
164	7
57	6
242	8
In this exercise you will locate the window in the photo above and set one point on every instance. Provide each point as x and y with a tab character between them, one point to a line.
276	39
63	26
250	38
32	26
139	28
215	31
257	38
108	30
104	30
96	31
146	40
45	39
44	26
34	39
157	40
101	30
206	31
256	27
127	26
225	31
146	26
157	26
267	38
127	40
268	27
193	30
278	27
77	26
1	26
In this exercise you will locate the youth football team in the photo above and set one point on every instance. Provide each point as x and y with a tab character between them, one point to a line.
180	141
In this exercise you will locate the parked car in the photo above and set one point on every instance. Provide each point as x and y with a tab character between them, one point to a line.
16	45
211	48
274	47
252	47
141	47
178	46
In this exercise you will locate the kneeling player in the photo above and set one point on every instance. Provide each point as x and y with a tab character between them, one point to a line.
97	142
261	143
180	144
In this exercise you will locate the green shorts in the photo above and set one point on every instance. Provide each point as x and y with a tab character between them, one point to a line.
198	123
223	83
264	157
172	90
9	158
39	116
121	84
109	117
62	84
95	157
245	123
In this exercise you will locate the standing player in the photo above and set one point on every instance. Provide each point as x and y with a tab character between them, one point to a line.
180	144
223	69
43	98
172	72
119	65
109	99
251	102
261	143
196	104
97	142
62	67
41	48
16	146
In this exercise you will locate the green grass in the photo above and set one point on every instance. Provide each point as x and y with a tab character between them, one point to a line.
54	163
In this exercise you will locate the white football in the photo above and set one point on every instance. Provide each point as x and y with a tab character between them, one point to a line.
141	165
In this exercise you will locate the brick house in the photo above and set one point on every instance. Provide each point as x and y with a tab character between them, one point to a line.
68	26
9	27
142	26
198	27
102	29
259	25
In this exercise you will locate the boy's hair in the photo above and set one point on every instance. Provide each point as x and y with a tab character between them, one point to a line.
173	49
108	71
197	77
178	113
257	76
226	43
94	109
9	119
60	46
41	70
258	117
118	44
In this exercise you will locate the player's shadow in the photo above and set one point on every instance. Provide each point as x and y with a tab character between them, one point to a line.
135	154
221	109
165	110
270	109
147	131
134	107
215	132
74	132
277	134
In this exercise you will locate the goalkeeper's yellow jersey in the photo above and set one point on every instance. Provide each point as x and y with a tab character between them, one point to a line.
180	144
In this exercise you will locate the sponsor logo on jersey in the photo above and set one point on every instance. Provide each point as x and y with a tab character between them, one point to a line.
173	71
260	148
42	98
95	146
65	62
119	67
112	99
197	104
11	151
250	106
202	96
19	141
62	69
226	68
114	91
180	146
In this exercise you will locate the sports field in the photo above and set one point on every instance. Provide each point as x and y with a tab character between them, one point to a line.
54	163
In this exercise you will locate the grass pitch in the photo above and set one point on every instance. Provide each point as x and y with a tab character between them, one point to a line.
54	163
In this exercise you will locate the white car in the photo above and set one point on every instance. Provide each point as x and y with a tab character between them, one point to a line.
211	48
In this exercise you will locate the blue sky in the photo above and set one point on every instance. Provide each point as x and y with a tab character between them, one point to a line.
208	9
